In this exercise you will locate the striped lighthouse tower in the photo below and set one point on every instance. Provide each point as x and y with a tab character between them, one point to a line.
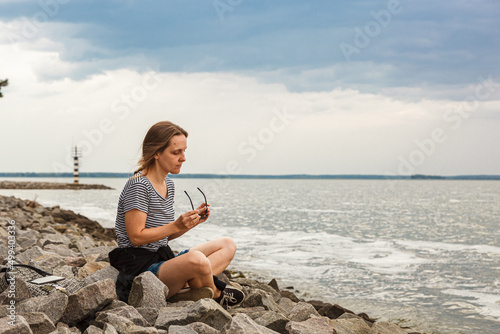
75	166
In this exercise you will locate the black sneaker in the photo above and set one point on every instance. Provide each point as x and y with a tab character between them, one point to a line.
230	296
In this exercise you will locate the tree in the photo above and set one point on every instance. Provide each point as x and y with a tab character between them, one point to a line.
3	83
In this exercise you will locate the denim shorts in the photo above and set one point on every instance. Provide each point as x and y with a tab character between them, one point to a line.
155	267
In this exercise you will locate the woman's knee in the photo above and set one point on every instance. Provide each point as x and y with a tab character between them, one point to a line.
229	245
198	262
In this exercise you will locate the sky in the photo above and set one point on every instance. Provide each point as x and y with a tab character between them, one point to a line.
393	87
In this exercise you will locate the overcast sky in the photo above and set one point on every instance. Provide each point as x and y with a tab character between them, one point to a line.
262	87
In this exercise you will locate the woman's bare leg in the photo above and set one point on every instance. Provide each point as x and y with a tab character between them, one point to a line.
220	252
192	267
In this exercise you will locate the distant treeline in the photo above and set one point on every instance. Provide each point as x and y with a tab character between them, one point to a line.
289	176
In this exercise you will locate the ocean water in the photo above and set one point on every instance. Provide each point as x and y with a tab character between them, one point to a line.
424	254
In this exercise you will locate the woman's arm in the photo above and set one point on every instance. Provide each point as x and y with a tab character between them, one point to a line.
138	234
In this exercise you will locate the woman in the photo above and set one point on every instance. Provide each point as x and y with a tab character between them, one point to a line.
145	223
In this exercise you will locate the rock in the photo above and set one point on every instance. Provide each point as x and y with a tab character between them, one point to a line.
287	305
109	329
290	295
243	324
204	310
39	322
351	325
52	305
387	328
19	326
102	274
333	311
22	291
90	268
273	284
175	329
261	298
75	261
84	243
31	253
123	325
64	271
202	328
88	300
272	320
303	311
99	253
128	312
56	239
47	262
321	325
60	250
148	313
258	285
148	291
93	330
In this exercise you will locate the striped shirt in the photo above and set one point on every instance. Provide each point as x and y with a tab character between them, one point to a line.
140	194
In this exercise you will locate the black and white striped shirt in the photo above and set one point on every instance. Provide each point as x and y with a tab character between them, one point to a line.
140	194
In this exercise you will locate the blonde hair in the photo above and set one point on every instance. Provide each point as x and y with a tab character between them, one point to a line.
157	139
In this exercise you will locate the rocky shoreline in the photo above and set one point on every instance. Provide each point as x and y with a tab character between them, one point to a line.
71	245
48	185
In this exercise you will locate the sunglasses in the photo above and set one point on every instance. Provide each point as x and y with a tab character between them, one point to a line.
192	206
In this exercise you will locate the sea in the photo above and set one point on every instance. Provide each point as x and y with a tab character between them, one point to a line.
424	254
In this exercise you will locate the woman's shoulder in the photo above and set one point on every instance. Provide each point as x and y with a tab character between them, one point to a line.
137	180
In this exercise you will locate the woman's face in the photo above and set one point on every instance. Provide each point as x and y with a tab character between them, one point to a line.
170	160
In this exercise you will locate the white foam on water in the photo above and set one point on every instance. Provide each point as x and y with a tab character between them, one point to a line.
486	304
451	247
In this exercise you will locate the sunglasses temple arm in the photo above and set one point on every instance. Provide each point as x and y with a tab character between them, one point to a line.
192	206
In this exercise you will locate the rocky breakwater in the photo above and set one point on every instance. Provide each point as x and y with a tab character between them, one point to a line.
48	185
70	245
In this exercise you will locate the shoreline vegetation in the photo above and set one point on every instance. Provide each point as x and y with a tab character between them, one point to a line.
70	245
253	176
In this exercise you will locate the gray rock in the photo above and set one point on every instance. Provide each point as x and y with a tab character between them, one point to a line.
64	271
115	304
204	310
93	330
128	312
201	328
303	311
175	329
84	243
272	320
61	250
148	313
252	312
333	311
109	329
242	324
101	253
123	325
31	253
52	305
22	291
287	305
47	262
56	239
253	284
387	328
39	322
321	325
88	300
262	298
290	295
18	326
351	325
63	328
148	291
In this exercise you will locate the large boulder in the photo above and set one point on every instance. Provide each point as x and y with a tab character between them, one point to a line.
321	325
18	326
148	291
204	310
52	305
89	300
243	324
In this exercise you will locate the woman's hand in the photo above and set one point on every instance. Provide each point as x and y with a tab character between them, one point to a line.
204	212
188	220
